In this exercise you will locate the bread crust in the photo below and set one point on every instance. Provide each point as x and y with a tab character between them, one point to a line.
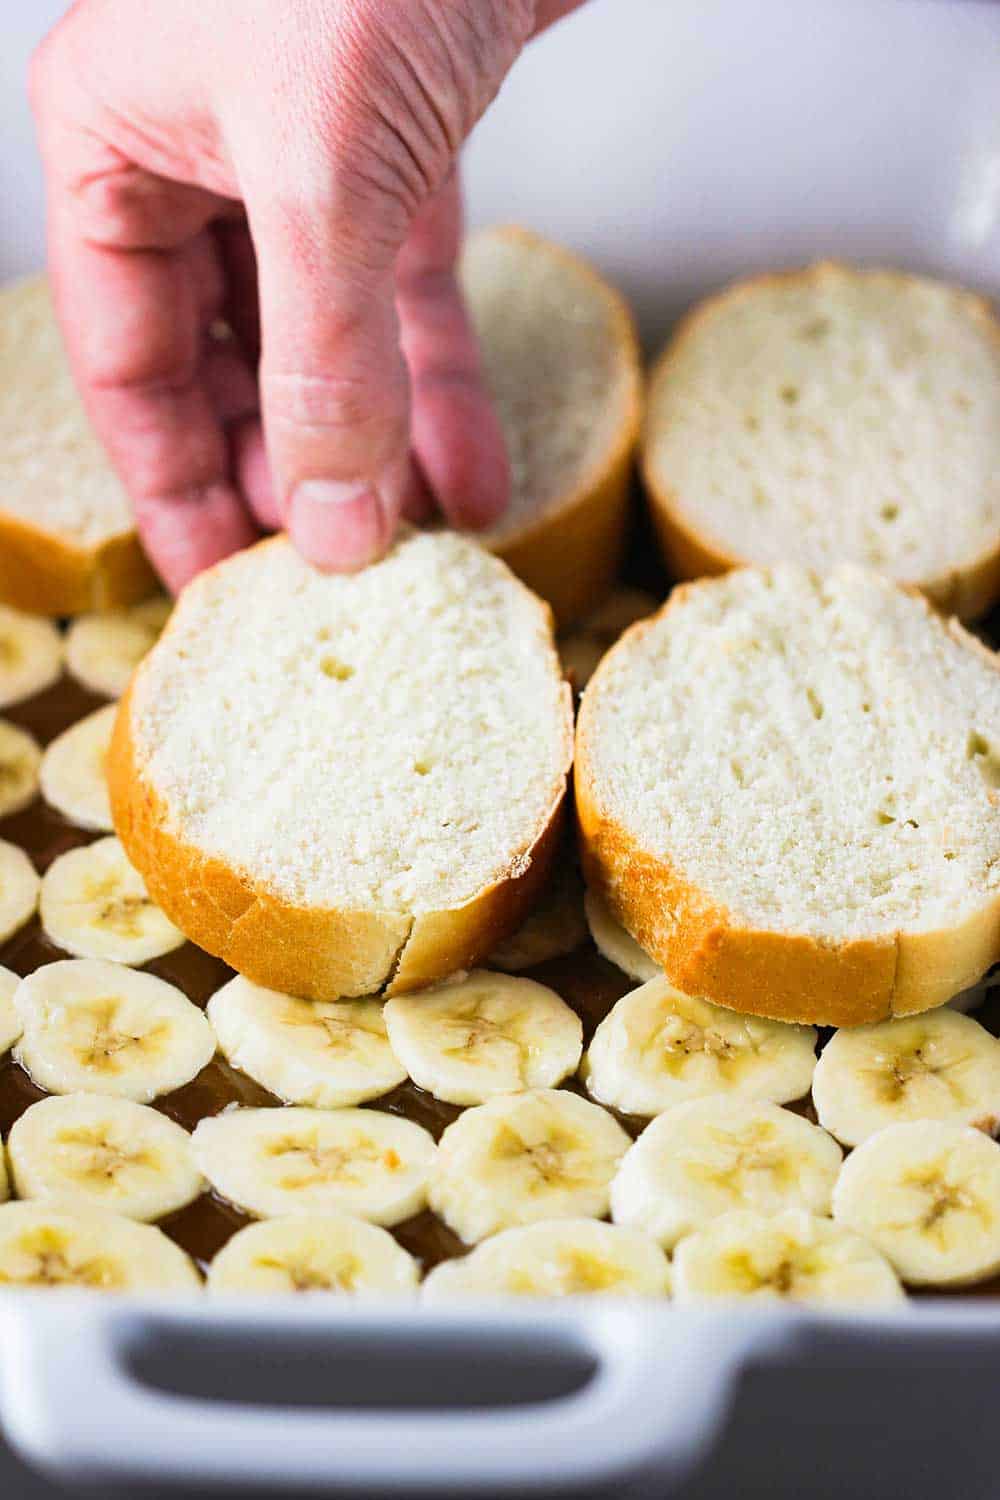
46	574
319	954
967	592
704	949
571	555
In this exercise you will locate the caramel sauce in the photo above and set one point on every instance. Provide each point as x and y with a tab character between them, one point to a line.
584	979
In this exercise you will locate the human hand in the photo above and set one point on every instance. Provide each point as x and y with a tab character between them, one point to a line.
273	183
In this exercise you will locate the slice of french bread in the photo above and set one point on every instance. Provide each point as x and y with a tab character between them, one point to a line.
67	539
788	791
561	359
347	784
832	415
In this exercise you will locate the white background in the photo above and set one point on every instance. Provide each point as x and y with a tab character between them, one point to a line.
682	141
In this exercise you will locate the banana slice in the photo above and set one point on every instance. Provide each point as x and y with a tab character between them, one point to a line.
94	904
657	1047
53	1244
617	946
711	1156
20	758
565	1258
792	1256
927	1193
582	649
99	1152
324	1053
10	1021
72	776
486	1034
938	1066
31	655
555	927
105	1029
273	1162
19	887
313	1253
102	651
547	1154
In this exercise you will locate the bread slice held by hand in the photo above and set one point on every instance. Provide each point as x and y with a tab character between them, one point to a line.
67	539
788	790
561	360
832	415
341	784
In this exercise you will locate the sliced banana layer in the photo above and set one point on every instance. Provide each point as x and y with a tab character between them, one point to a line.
711	1156
555	927
564	1258
313	1253
617	946
31	655
657	1047
273	1162
927	1193
102	651
793	1257
486	1034
324	1053
72	775
20	759
50	1244
938	1066
99	1152
19	887
582	649
101	1028
10	1021
523	1157
94	904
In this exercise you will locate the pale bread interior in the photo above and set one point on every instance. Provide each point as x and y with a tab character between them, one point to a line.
835	415
551	343
388	741
815	757
54	475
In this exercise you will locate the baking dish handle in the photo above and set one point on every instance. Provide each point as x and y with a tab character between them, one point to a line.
630	1387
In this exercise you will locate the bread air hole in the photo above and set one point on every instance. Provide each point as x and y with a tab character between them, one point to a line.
789	394
422	767
331	666
814	332
815	703
985	758
889	512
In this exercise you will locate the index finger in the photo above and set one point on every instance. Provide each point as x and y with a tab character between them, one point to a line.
134	333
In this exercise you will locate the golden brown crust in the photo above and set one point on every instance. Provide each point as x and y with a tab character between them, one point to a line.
444	941
706	950
318	954
47	575
571	554
689	553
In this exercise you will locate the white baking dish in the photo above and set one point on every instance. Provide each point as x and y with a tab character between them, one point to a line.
680	143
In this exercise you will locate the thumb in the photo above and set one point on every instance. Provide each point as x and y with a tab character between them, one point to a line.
333	382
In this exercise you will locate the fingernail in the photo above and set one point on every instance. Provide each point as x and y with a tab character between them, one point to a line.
338	527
